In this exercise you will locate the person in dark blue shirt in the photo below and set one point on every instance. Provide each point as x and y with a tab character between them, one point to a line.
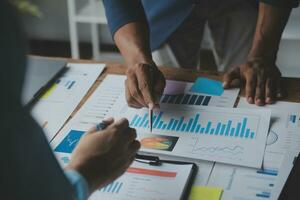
29	169
246	34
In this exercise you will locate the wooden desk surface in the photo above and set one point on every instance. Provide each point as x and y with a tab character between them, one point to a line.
290	85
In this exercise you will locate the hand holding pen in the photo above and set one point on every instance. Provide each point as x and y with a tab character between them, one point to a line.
105	152
144	84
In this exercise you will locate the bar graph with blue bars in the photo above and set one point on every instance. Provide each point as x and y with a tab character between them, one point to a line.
114	188
292	118
193	126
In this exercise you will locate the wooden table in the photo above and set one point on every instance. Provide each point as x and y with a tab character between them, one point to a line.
290	85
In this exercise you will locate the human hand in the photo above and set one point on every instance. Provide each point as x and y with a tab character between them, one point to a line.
144	85
261	78
102	156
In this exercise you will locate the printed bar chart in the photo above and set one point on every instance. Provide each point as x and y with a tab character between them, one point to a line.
186	99
114	187
192	125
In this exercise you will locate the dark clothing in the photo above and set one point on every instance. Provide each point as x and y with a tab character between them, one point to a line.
28	167
163	17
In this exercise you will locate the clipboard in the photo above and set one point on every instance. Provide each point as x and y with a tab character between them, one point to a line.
156	161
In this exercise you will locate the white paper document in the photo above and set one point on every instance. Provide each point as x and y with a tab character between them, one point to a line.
282	143
54	108
284	172
140	181
209	133
179	92
200	132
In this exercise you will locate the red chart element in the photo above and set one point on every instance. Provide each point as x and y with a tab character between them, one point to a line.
151	172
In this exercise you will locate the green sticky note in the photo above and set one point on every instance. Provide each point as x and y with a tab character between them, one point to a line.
205	193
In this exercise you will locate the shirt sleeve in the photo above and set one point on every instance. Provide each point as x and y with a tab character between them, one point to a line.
78	183
122	12
280	3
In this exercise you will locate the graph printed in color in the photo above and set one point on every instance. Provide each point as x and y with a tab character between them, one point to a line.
68	144
293	121
113	188
192	125
66	83
62	83
186	99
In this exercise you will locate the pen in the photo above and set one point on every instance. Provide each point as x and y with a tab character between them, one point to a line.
101	126
150	113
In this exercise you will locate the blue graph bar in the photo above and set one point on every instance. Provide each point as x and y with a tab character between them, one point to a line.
207	127
153	120
228	128
243	127
247	132
160	125
189	125
232	132
133	120
198	128
222	129
179	124
114	188
137	121
267	172
193	125
155	123
110	186
238	127
202	130
174	125
71	85
143	120
146	123
170	124
218	128
183	127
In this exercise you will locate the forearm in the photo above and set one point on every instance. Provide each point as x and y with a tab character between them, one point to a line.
270	25
132	40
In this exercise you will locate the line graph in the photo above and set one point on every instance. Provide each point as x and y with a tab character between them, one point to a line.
232	150
233	136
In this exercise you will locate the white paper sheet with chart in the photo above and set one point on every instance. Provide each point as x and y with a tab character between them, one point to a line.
140	181
179	92
209	133
110	92
283	138
56	105
225	135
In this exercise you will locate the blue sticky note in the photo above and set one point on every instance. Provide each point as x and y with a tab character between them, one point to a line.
207	86
68	144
